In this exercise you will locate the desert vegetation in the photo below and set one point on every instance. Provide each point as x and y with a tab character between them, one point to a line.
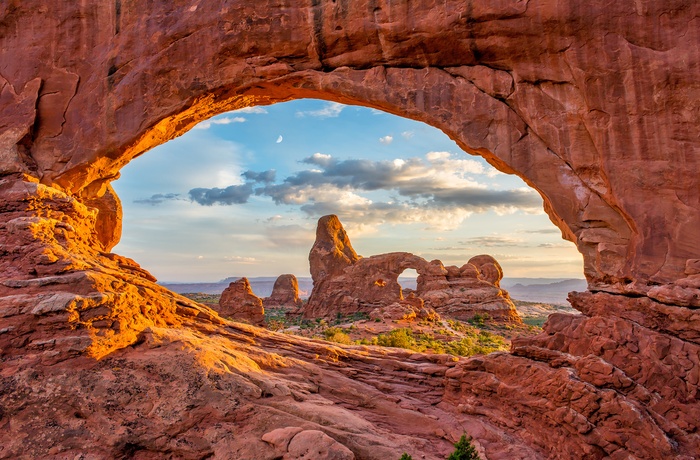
479	335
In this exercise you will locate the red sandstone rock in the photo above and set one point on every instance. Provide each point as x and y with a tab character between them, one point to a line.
239	303
515	91
285	293
594	107
347	285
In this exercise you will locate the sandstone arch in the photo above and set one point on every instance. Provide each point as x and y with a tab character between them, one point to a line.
548	113
595	108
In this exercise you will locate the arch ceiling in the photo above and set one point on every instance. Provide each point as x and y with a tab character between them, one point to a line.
585	115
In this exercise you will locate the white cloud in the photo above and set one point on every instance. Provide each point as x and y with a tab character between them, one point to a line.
386	140
219	121
331	110
408	134
256	110
241	260
493	241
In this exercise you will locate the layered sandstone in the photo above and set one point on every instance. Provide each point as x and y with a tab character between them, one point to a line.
238	302
345	283
576	101
285	293
98	332
595	107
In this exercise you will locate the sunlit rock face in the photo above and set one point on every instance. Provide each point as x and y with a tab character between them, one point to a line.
595	107
346	283
238	302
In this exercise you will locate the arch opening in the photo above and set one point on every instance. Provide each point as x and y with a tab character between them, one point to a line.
250	181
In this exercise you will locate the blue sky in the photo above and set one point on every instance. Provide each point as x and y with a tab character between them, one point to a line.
240	194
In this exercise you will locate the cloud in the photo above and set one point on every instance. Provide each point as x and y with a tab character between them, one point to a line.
319	159
331	110
158	198
256	110
493	241
439	190
441	180
241	260
219	121
543	231
234	194
290	236
408	134
556	245
386	140
264	176
279	139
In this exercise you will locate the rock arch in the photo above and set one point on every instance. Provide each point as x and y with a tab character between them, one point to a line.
548	111
595	108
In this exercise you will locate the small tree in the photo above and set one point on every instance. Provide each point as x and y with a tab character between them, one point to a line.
464	450
405	456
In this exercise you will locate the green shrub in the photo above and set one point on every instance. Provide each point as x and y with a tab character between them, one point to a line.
405	456
336	334
464	450
398	338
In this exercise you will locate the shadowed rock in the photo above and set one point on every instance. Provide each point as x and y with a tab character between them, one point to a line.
285	293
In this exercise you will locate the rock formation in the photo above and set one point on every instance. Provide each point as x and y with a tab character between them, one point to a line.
596	108
239	303
285	293
345	283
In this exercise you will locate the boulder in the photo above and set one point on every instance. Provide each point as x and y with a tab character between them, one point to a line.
285	293
238	302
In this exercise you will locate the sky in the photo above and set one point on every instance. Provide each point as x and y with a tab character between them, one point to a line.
240	195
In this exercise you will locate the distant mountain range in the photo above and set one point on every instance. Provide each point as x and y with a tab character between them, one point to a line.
546	290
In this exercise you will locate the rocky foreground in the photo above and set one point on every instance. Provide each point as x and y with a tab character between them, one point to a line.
97	359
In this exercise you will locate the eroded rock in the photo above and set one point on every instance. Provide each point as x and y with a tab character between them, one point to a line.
347	285
238	302
285	293
594	107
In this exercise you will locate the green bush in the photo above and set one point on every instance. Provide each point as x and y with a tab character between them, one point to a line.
336	334
398	338
464	450
405	456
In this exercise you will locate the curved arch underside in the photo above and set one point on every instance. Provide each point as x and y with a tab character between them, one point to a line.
595	107
582	105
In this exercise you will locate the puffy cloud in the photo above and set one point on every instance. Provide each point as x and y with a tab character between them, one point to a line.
264	176
158	198
234	194
386	140
319	159
439	190
331	110
219	121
